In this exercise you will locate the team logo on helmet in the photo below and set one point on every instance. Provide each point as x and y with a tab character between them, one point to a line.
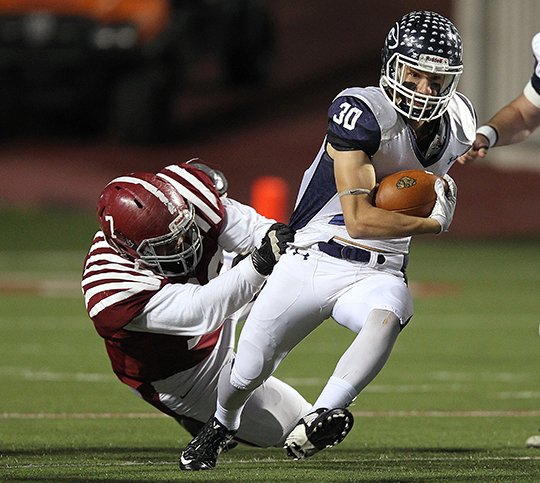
393	37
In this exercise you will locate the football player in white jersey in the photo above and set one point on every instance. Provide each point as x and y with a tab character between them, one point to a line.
349	258
155	289
515	121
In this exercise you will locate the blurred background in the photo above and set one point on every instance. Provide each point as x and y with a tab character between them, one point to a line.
91	89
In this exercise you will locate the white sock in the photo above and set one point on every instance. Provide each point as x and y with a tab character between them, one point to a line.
230	419
231	400
336	394
362	361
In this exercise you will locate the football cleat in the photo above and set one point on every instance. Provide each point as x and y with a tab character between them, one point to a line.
533	441
202	452
318	430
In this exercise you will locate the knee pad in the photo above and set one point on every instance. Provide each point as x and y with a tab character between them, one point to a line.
250	370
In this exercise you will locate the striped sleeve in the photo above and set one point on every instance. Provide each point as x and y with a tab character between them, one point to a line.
197	188
115	291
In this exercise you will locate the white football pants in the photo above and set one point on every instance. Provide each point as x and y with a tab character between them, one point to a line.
305	288
270	414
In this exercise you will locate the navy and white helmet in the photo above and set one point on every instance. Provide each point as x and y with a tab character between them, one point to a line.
428	42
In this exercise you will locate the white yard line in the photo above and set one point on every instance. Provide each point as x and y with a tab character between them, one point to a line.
51	287
360	414
448	414
28	374
31	375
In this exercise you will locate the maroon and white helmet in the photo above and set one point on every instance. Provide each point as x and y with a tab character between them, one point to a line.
147	220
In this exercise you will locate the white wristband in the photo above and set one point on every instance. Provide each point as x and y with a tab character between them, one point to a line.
490	133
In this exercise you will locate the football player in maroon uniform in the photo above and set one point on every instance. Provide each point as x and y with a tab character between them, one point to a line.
158	290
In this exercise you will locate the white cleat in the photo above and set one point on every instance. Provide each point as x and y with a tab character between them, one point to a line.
318	430
533	442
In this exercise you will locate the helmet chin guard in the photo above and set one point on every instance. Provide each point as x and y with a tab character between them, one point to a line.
426	42
176	253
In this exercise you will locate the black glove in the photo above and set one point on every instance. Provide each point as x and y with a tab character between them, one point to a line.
272	247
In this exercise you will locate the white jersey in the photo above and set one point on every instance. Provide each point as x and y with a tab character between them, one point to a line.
363	119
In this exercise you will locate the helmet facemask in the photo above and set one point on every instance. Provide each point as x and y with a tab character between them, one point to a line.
178	252
412	104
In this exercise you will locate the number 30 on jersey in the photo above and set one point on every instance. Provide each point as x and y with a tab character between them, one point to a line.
348	116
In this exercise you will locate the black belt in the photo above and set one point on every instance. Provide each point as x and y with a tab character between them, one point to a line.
348	252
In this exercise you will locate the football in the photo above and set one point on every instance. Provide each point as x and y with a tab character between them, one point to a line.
410	192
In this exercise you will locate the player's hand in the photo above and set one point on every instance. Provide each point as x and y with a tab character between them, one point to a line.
479	149
273	245
443	211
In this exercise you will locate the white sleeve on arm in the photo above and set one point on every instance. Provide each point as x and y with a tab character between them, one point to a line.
244	228
530	93
535	45
532	89
193	310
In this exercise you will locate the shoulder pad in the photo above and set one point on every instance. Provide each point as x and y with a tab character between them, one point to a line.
462	118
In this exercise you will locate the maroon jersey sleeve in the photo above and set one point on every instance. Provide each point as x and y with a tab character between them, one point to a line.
115	291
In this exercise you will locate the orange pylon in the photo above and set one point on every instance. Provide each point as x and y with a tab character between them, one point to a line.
270	197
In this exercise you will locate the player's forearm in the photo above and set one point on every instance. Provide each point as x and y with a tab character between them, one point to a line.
515	122
377	223
193	310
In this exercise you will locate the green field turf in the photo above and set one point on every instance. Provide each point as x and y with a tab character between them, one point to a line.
456	402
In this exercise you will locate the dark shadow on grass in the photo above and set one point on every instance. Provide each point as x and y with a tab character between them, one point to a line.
78	451
374	464
129	464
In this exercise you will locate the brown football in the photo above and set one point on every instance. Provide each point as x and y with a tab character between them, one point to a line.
410	192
